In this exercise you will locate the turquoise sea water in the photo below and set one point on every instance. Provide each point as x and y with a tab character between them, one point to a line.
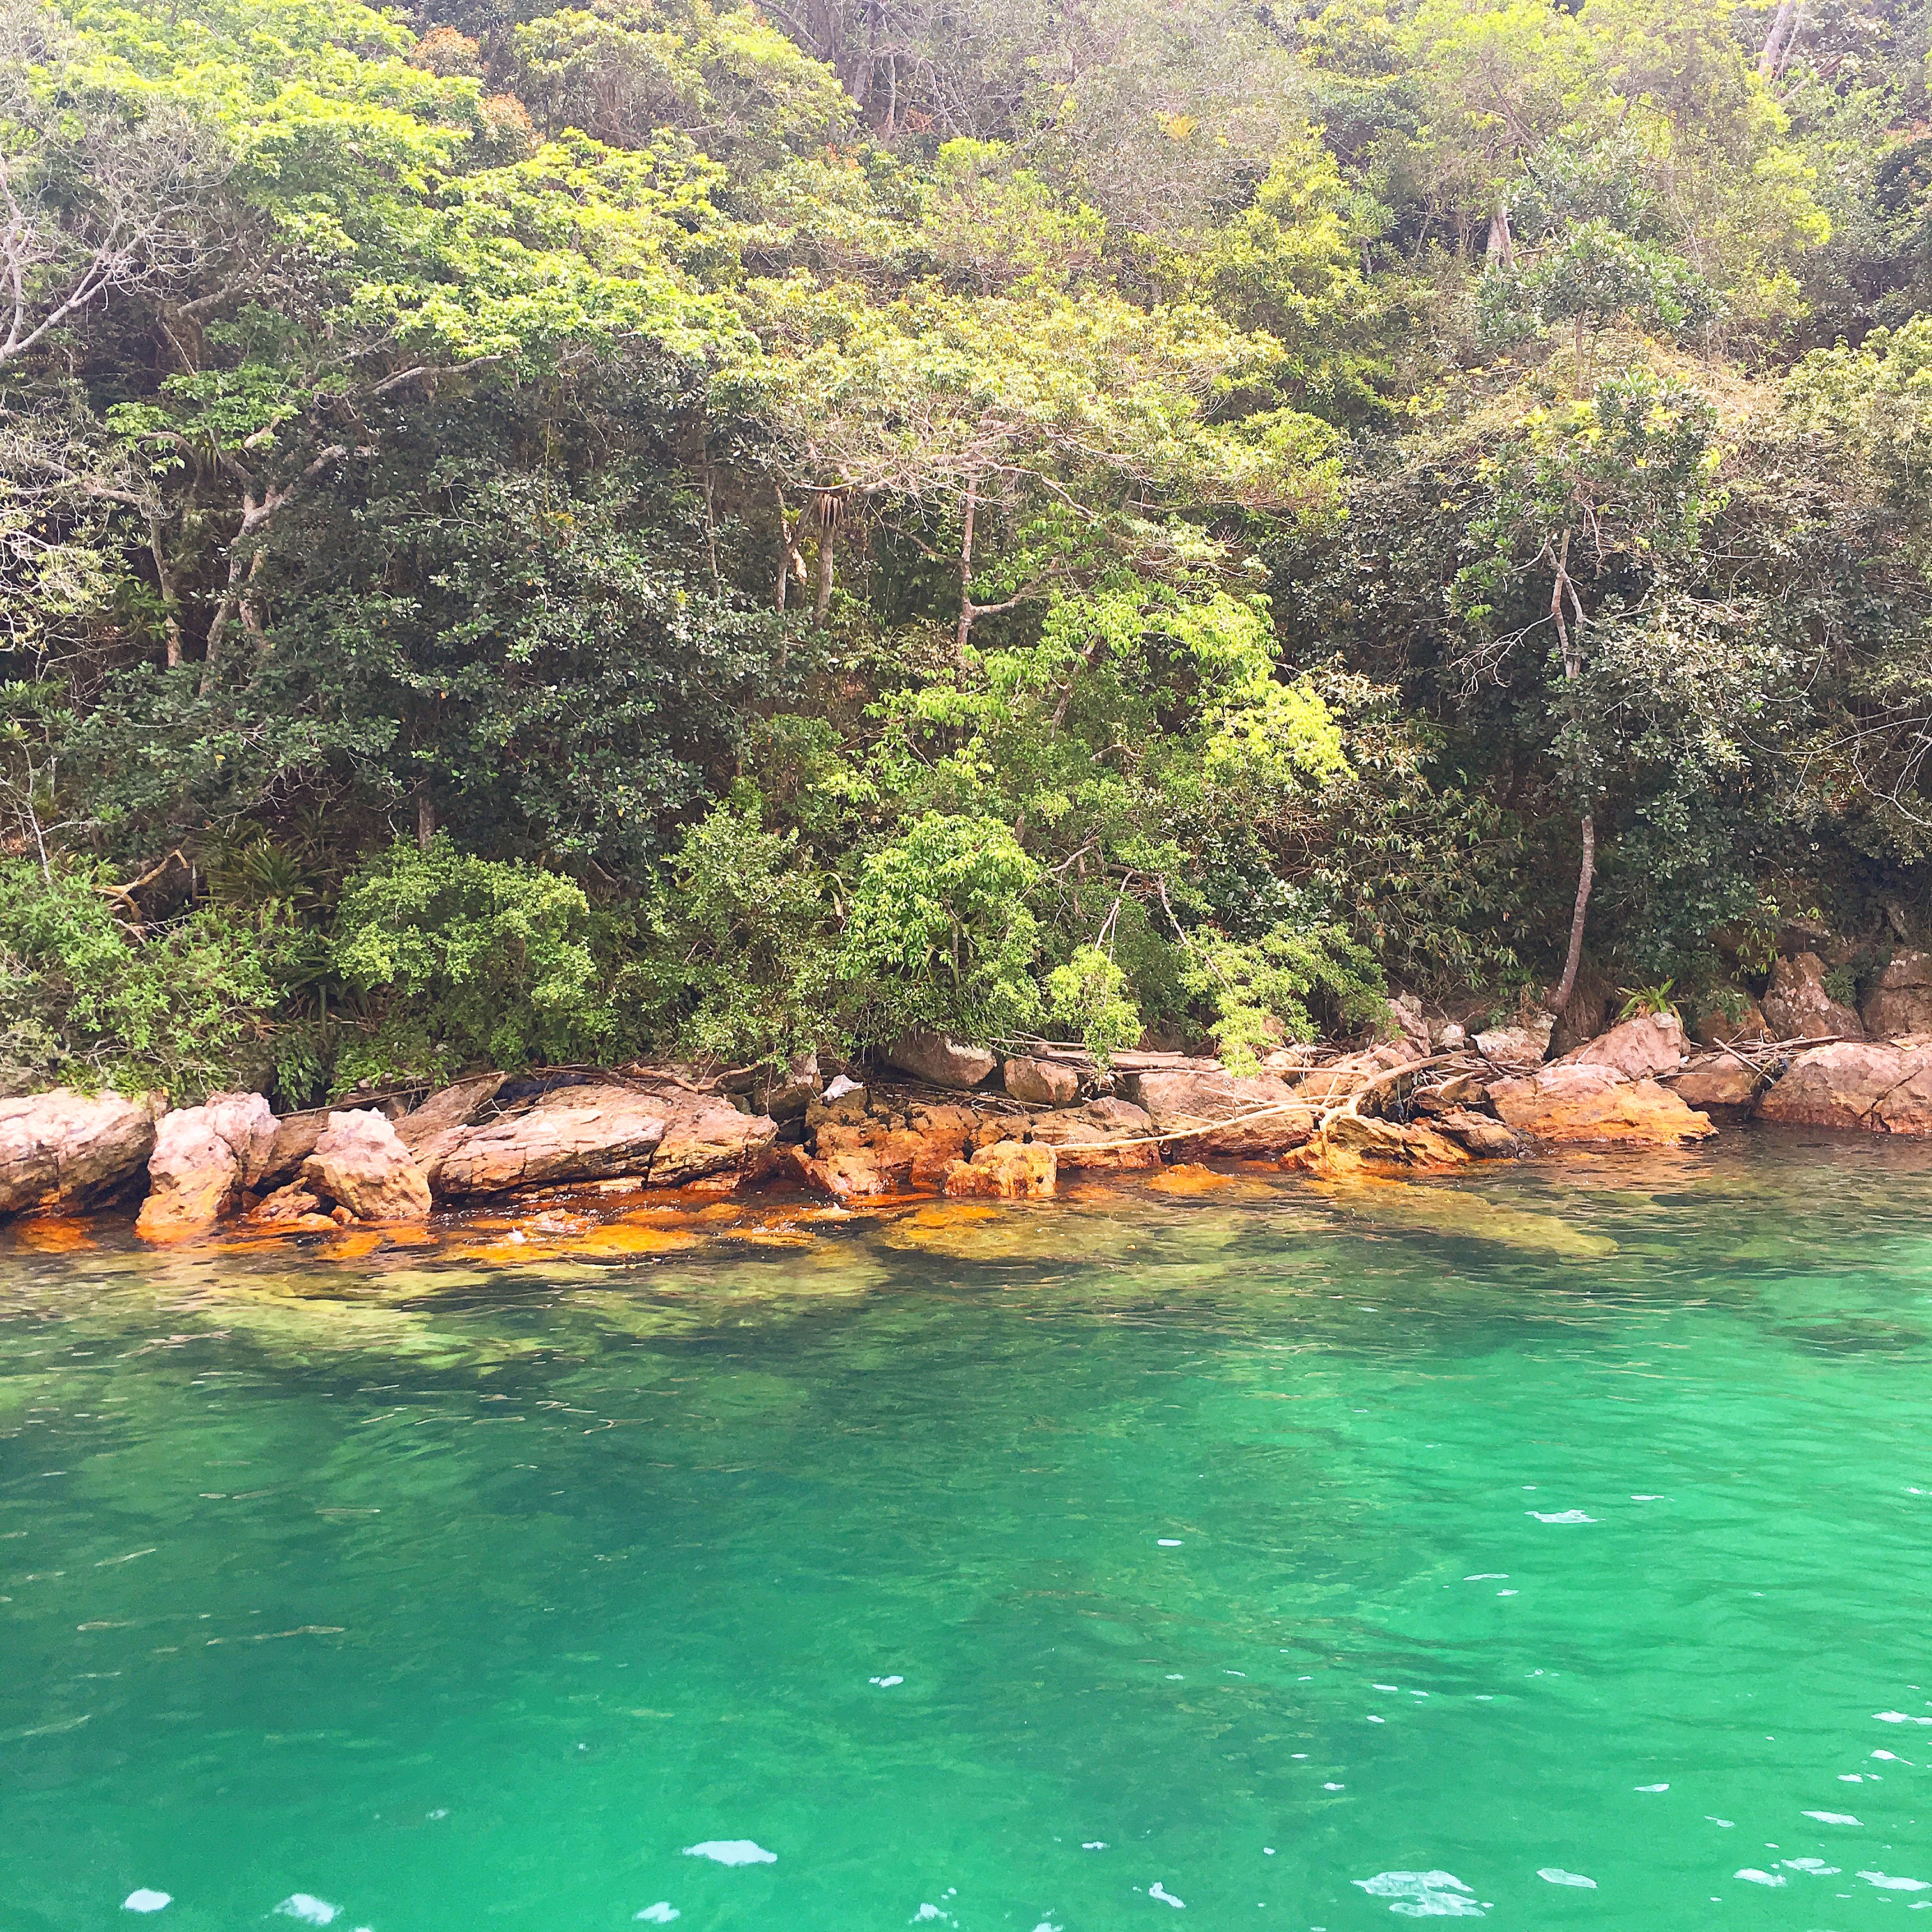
1277	1557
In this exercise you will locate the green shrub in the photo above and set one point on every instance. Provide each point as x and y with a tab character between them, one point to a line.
468	961
85	1001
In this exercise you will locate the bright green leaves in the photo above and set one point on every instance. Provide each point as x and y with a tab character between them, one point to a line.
938	933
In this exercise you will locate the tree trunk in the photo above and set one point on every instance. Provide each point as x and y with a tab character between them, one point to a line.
1783	28
1501	248
965	630
1586	874
425	821
828	545
170	601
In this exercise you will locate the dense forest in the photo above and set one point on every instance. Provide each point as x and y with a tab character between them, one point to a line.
666	528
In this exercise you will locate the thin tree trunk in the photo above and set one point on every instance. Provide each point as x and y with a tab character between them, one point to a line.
1572	641
1500	247
1784	24
425	821
784	548
965	630
828	545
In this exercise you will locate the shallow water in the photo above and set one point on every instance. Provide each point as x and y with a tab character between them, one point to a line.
1560	1539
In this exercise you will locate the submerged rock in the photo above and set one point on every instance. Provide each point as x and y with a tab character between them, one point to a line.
1797	1006
945	1062
63	1148
1878	1087
203	1158
599	1132
361	1164
1005	1171
1585	1103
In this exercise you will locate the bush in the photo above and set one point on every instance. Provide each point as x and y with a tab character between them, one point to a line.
85	1002
470	961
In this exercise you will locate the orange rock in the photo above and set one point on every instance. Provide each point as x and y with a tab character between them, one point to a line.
1877	1088
1574	1103
1006	1170
1190	1178
49	1234
1351	1144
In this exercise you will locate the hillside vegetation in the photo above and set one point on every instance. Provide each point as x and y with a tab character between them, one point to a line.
665	528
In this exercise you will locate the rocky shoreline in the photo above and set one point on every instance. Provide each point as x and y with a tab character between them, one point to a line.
933	1117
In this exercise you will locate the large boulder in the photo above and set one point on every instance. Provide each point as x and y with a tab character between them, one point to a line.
1256	1117
1106	1136
1640	1048
859	1155
1041	1083
361	1163
1717	1080
598	1132
1875	1086
1591	1103
64	1149
1797	1006
945	1062
1477	1134
1900	999
1005	1171
204	1158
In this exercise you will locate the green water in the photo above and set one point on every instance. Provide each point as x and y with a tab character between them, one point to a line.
1219	1552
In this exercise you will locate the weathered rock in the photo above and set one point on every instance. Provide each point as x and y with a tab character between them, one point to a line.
1876	1086
1353	1144
597	1133
1005	1171
1640	1048
1042	1083
66	1149
1451	1036
945	1062
871	1155
296	1137
1900	999
1714	1026
1717	1080
1107	1136
1341	1079
1574	1103
288	1207
360	1163
1523	1045
1406	1018
1257	1116
1797	1006
203	1158
785	1092
453	1106
1478	1134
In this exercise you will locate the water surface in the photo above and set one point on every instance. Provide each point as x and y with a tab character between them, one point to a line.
1281	1556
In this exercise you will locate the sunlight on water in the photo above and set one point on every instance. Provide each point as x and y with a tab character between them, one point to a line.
1552	1549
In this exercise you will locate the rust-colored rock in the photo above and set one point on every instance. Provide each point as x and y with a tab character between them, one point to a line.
945	1062
1255	1117
1717	1080
1005	1171
289	1207
1353	1145
1900	999
1106	1136
204	1157
1478	1134
1875	1086
1041	1083
1574	1103
598	1133
1640	1048
360	1163
1797	1006
63	1148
